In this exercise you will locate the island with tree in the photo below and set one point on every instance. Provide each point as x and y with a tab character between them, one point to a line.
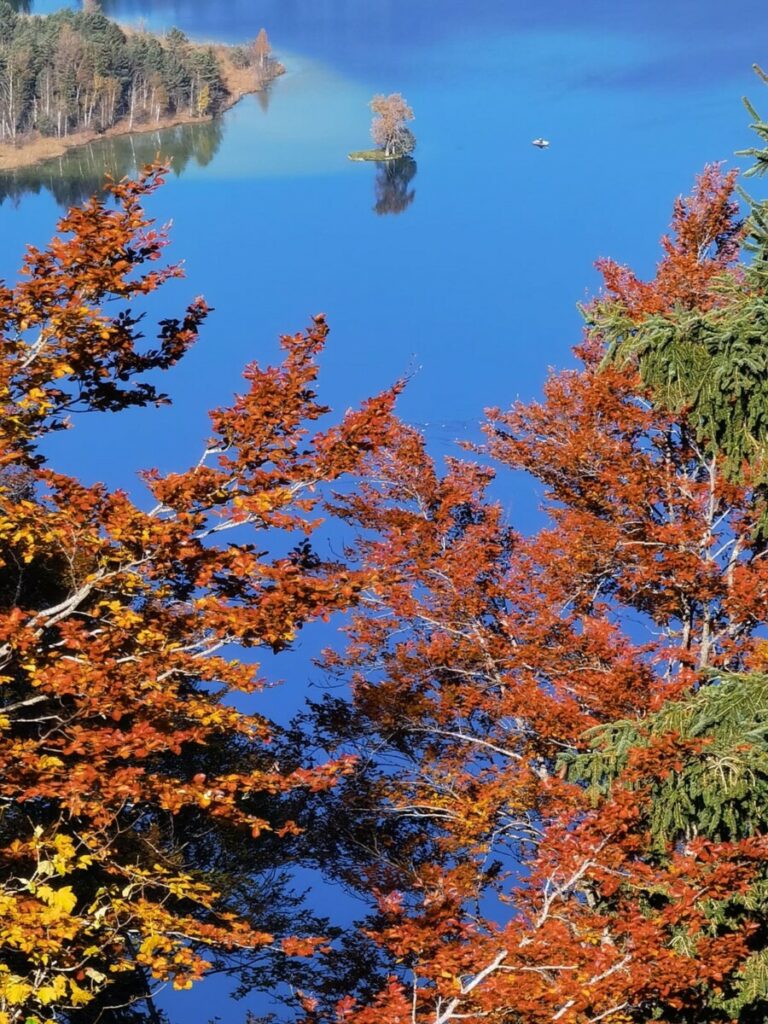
71	76
391	135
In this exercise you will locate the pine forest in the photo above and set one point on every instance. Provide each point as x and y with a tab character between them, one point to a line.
75	71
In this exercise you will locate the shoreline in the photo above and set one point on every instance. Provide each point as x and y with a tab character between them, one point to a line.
41	148
374	156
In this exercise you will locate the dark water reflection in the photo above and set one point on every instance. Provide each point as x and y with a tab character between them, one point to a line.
79	173
392	185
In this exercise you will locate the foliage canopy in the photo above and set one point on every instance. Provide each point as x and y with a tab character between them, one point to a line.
548	772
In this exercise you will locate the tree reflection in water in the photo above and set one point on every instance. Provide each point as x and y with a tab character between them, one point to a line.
391	187
263	97
80	173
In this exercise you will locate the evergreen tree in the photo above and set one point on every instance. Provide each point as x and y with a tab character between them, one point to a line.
697	333
75	70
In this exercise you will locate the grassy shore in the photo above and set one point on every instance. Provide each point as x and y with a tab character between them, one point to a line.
37	148
376	155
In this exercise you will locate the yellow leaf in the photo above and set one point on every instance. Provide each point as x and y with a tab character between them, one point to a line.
60	899
16	991
150	944
49	761
78	996
65	899
49	993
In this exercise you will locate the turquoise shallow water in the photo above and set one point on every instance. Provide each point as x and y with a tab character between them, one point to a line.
472	287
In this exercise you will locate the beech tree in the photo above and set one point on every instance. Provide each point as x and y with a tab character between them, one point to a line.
118	625
570	726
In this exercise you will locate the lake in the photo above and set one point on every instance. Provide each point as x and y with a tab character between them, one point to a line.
462	271
472	287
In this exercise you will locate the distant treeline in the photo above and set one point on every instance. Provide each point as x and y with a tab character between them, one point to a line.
78	71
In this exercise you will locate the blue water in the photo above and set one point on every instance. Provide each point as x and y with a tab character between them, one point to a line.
472	288
474	285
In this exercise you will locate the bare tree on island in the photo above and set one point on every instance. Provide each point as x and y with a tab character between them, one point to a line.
266	66
258	60
261	48
389	129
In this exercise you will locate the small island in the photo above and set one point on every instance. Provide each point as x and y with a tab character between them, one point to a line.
70	77
389	130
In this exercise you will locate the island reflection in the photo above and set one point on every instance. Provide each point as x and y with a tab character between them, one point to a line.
392	185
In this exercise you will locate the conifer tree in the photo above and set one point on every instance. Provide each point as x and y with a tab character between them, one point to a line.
697	332
70	71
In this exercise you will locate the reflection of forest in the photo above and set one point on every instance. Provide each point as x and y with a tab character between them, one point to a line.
79	173
391	187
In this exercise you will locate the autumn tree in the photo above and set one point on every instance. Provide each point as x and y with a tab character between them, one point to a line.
124	757
266	66
389	128
569	727
261	47
551	769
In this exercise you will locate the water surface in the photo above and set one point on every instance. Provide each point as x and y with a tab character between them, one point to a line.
473	283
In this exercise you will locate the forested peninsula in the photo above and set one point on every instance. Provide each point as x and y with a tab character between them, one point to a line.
71	76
